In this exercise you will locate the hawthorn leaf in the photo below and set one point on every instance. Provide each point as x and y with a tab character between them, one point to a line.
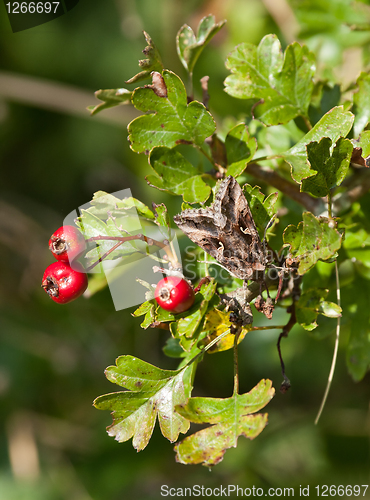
146	309
189	323
176	175
240	149
105	205
141	208
216	323
110	98
334	124
169	120
263	209
283	84
312	240
153	61
151	392
229	419
162	218
311	303
331	168
361	101
189	47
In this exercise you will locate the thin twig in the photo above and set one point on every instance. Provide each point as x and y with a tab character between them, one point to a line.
336	345
105	255
122	239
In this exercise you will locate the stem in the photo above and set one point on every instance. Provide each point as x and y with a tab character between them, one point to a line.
191	87
122	239
88	269
330	213
307	122
208	346
335	354
209	158
337	331
236	362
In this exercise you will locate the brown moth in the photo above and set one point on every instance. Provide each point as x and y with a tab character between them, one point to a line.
226	230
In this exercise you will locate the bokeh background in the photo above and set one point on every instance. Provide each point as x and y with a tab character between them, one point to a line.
53	157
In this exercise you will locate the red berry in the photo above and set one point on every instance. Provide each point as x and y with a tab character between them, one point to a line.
174	294
67	243
63	283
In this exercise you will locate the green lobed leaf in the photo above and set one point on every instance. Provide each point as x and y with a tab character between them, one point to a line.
311	303
151	392
240	149
331	168
312	240
263	209
175	174
230	417
141	208
361	101
153	61
110	98
335	123
282	84
171	120
189	47
191	320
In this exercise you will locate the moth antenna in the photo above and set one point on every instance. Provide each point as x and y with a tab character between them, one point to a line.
216	264
271	221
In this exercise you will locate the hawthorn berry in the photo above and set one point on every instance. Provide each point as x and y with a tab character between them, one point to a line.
63	283
174	294
67	243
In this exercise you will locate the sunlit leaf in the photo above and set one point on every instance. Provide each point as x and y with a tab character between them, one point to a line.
175	174
312	240
230	417
331	168
153	61
190	46
110	98
217	322
151	392
282	83
334	124
170	120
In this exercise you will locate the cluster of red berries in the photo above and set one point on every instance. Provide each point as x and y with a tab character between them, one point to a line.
65	280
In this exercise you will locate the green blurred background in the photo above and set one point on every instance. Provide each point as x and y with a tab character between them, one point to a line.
53	157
